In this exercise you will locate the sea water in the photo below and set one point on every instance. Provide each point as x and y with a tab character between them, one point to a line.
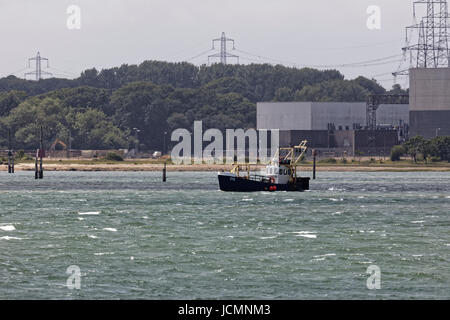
135	237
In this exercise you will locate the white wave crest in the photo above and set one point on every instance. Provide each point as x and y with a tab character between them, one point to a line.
90	213
10	238
8	228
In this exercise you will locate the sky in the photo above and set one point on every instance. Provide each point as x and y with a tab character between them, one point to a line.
325	33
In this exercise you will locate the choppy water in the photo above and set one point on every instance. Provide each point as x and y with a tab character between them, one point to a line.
134	237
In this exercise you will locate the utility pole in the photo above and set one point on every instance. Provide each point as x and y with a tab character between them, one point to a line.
136	131
437	132
41	149
314	154
223	54
69	143
164	148
39	172
38	73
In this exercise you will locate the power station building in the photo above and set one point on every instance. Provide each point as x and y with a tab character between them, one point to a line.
323	115
336	127
429	98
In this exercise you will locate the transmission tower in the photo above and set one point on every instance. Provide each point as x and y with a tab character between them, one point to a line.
223	54
38	73
432	49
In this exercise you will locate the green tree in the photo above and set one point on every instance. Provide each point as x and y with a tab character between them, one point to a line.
440	147
90	129
397	89
94	131
336	90
26	119
142	105
397	152
371	86
10	100
417	145
284	95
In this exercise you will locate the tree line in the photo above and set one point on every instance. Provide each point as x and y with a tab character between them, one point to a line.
100	109
436	149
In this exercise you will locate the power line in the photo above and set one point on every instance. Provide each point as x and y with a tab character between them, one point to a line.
372	45
372	62
264	58
180	52
223	54
38	70
18	71
39	73
199	55
62	72
432	48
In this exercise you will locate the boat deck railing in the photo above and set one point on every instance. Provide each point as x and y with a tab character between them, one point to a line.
258	177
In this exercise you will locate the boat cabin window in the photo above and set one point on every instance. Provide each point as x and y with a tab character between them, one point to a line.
284	172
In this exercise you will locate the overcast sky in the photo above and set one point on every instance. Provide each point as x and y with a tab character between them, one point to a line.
115	32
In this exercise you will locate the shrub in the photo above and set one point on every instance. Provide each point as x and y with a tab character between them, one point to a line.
435	159
329	160
112	156
20	154
420	157
397	152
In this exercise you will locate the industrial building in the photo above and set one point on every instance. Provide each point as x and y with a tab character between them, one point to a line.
335	127
322	115
429	102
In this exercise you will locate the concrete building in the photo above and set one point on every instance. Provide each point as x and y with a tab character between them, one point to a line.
319	115
429	102
350	142
333	127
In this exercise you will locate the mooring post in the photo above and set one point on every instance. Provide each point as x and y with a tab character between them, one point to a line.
10	154
70	144
314	153
12	162
164	172
36	171
41	154
9	161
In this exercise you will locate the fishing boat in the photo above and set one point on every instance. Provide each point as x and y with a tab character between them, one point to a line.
279	175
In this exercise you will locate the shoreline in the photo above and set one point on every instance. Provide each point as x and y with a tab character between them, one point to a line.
216	168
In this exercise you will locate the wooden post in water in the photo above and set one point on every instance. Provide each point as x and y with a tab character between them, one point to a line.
41	154
9	161
314	153
36	171
164	172
10	154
